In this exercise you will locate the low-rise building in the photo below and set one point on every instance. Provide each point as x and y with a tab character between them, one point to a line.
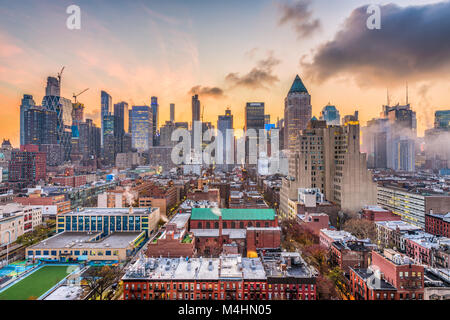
391	276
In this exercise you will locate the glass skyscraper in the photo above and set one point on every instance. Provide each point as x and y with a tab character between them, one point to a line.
27	103
141	127
155	119
106	106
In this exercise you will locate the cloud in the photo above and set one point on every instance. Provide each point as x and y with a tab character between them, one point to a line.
259	77
300	15
412	44
211	92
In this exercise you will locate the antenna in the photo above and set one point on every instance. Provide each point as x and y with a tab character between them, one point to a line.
406	92
203	111
387	95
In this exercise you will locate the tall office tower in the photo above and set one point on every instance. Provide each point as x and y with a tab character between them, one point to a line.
329	158
27	103
166	134
172	112
141	120
254	119
120	109
297	112
224	123
109	139
53	87
105	108
374	141
331	115
437	146
401	137
89	142
52	101
442	119
155	112
195	108
195	117
77	113
40	126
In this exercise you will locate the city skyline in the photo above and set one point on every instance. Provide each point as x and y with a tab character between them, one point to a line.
171	54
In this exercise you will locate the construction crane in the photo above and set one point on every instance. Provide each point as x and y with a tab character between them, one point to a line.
60	75
76	95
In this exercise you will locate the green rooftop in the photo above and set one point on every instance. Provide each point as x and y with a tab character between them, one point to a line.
298	86
232	214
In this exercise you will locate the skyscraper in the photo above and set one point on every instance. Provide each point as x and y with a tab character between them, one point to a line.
195	117
297	112
224	123
254	120
155	112
312	164
52	101
109	139
120	109
106	106
172	112
141	122
27	103
40	126
401	137
437	146
195	108
331	115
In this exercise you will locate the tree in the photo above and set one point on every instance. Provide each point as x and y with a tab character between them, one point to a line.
361	229
99	279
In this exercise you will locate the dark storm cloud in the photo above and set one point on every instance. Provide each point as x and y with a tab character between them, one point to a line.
212	92
412	44
259	77
300	16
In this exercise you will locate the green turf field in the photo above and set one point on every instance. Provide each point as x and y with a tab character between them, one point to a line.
36	284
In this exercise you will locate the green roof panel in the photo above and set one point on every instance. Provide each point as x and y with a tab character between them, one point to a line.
232	214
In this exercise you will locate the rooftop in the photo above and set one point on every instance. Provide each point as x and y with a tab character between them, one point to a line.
224	267
84	240
111	211
232	214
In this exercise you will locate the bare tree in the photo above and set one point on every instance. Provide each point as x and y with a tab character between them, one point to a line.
99	279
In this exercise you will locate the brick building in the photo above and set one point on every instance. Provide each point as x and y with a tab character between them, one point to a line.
377	213
391	276
350	254
314	221
27	166
249	229
174	240
438	224
229	277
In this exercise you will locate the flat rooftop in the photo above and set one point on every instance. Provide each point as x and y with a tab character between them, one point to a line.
224	267
83	240
66	293
110	211
401	225
232	214
232	233
180	219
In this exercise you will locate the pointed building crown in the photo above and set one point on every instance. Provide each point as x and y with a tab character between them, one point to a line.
298	86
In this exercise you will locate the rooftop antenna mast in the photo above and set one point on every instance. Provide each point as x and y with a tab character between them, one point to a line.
406	92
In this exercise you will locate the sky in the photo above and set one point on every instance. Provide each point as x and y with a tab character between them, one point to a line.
229	52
